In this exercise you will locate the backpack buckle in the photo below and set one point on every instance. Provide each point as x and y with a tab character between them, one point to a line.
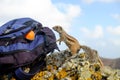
7	31
6	43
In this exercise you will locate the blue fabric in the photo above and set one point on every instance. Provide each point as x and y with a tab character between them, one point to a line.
39	39
16	34
21	75
16	24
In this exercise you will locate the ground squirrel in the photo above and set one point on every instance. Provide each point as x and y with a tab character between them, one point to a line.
92	55
70	41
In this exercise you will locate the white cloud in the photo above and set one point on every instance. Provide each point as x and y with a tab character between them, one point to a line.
101	43
115	42
73	11
116	16
88	1
101	1
108	1
96	33
114	35
42	10
114	30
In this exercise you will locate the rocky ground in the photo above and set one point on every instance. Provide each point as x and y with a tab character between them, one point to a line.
63	66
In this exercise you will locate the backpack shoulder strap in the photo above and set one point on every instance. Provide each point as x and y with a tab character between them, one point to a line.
21	75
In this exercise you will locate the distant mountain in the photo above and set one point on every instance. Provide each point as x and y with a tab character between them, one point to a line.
113	63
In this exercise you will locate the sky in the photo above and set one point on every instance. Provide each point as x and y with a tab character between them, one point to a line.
95	23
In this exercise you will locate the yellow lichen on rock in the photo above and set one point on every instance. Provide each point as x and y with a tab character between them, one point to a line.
96	76
75	67
62	66
61	74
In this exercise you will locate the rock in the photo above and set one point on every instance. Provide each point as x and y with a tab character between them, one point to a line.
63	66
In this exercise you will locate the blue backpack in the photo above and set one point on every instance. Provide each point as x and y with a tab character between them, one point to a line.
16	51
